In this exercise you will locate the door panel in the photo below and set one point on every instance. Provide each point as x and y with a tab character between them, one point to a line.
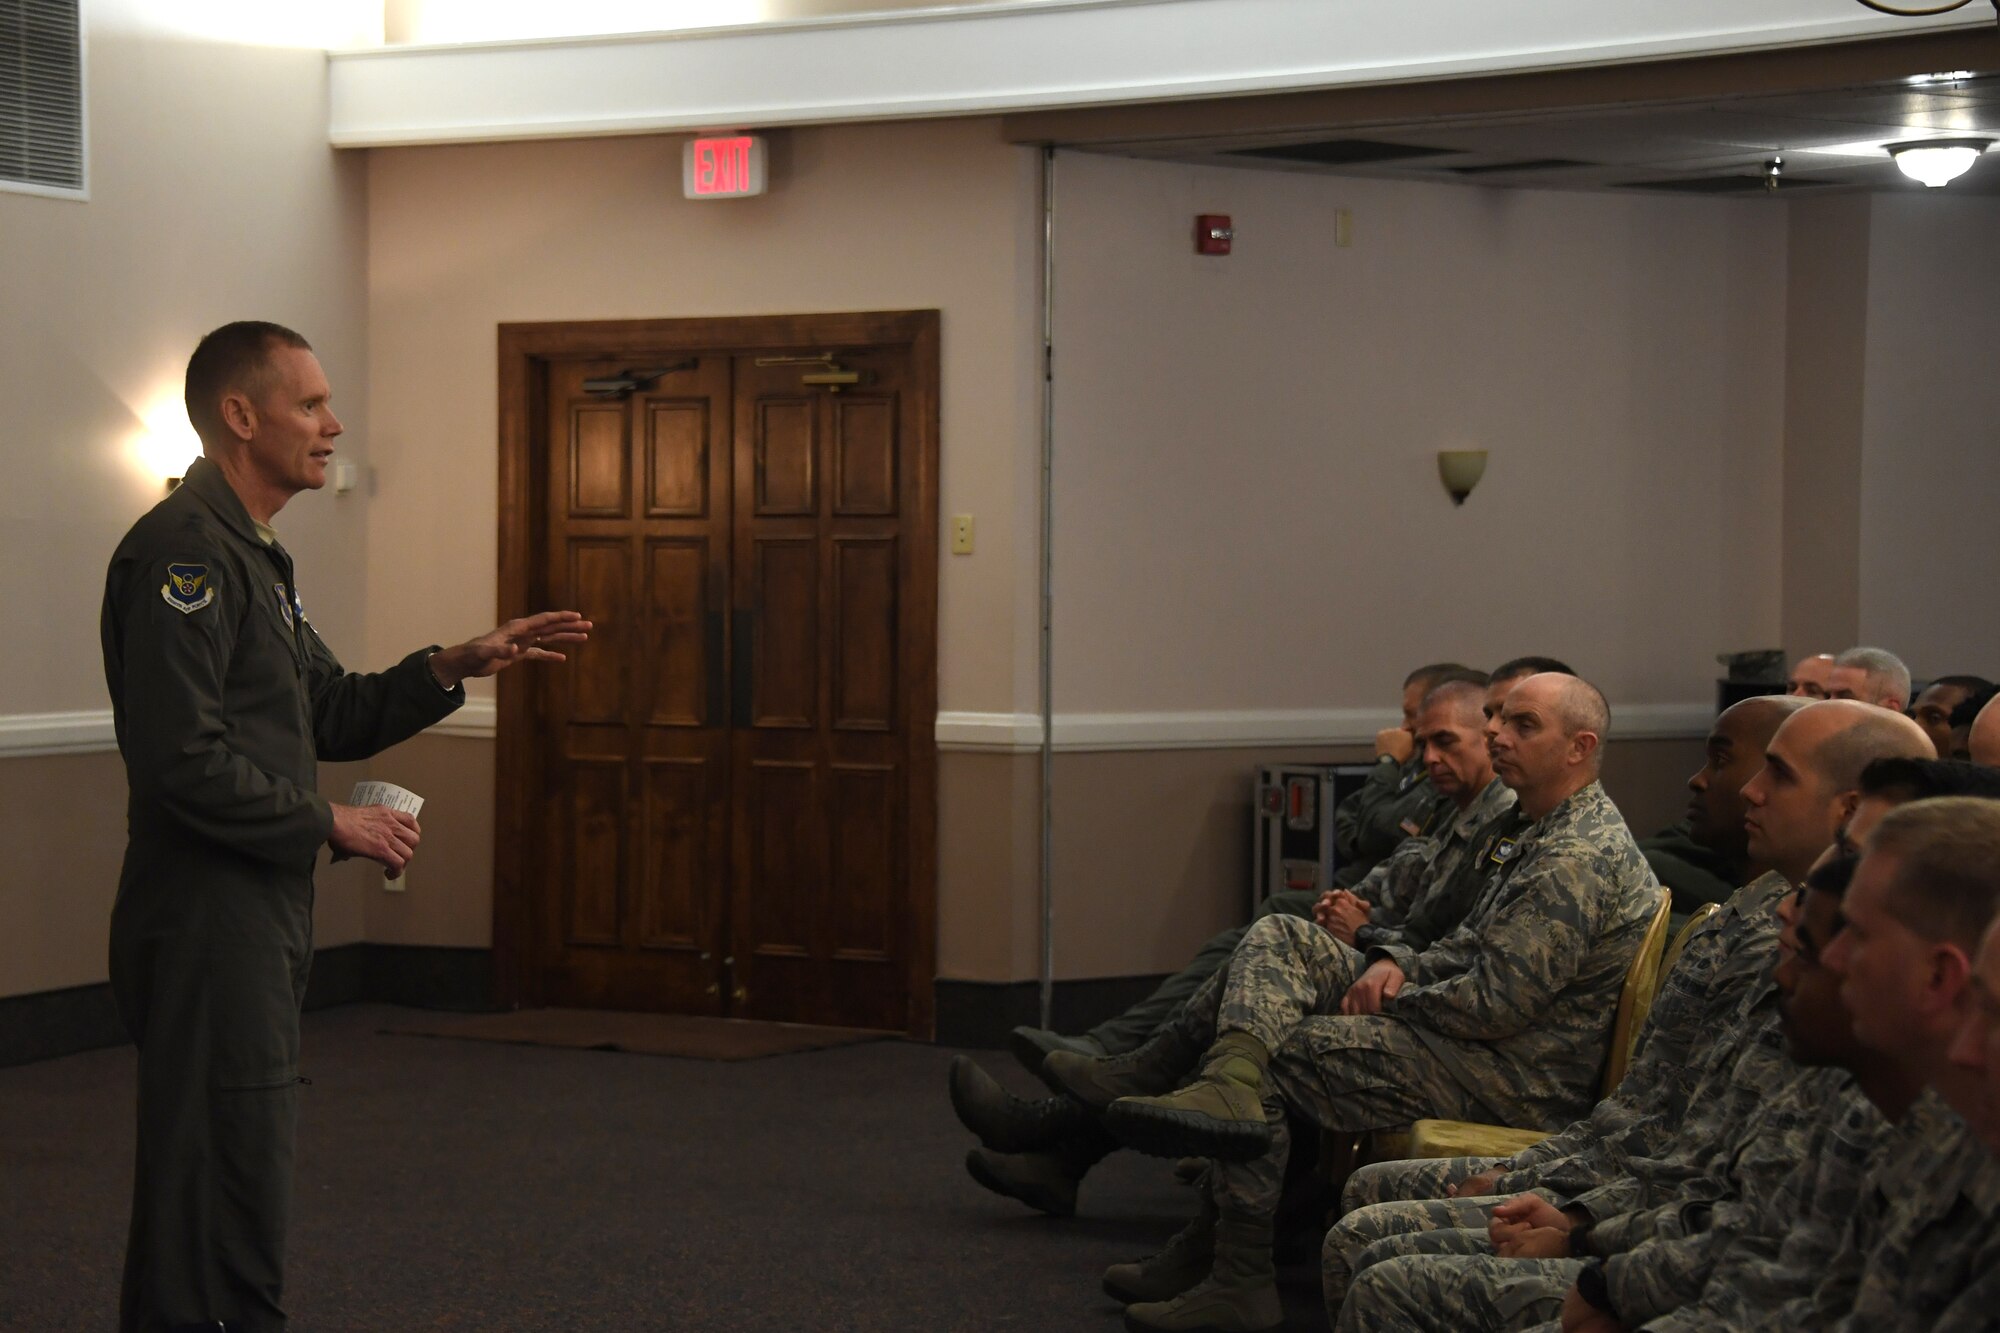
784	602
864	617
596	852
783	451
678	622
674	852
864	457
597	468
677	458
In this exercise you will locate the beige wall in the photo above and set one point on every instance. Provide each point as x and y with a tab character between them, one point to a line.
213	196
1248	510
1826	341
1930	463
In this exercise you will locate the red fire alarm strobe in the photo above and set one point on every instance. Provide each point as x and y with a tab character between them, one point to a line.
1212	234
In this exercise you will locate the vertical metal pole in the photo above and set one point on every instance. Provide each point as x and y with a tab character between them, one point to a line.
1048	877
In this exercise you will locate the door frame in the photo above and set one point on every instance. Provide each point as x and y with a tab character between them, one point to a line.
522	525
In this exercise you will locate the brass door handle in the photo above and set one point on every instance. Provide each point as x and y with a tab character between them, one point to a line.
741	993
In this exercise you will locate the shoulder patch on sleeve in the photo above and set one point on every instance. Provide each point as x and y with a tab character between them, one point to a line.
187	588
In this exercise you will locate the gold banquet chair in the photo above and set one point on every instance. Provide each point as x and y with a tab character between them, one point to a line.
1464	1138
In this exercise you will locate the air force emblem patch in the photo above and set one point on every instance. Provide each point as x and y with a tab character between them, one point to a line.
290	608
187	588
1505	850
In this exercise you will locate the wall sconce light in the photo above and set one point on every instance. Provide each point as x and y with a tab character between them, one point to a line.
1937	162
1460	470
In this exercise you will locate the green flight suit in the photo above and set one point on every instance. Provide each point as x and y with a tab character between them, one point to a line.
224	700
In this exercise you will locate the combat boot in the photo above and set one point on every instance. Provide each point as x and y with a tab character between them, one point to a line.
1004	1122
1185	1261
1220	1114
1239	1296
1041	1180
1031	1046
1098	1081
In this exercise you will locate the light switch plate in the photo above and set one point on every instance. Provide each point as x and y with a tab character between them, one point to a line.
961	534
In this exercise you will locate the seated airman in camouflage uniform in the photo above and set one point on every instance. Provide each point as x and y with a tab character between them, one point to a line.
1808	1143
1738	1208
1038	1152
1396	804
1505	1018
1698	1000
1922	1250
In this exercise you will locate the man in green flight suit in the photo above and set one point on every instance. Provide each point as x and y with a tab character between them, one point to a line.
225	699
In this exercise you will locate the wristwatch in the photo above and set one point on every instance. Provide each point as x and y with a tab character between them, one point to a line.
1590	1285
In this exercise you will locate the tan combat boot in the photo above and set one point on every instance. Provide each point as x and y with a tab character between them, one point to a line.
1097	1081
1239	1296
1220	1114
1185	1261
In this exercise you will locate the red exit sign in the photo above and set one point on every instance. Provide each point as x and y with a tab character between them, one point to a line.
728	167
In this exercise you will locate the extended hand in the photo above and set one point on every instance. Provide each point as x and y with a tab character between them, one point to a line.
523	640
376	832
1380	982
1395	743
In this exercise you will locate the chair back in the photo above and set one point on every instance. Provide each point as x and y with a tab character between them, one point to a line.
1684	934
1642	982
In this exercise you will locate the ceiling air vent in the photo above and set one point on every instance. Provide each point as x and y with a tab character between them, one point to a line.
1342	152
1725	185
41	96
1538	164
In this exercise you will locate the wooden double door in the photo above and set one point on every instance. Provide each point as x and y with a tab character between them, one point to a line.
724	803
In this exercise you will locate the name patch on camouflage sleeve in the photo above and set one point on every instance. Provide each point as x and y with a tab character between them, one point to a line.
187	588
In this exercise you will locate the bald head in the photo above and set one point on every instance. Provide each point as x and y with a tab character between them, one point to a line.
1985	739
1547	740
1809	784
1855	734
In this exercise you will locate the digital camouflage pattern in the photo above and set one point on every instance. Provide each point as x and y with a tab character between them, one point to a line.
1657	1259
1425	888
1456	1294
1503	1019
1702	996
1782	1250
1921	1250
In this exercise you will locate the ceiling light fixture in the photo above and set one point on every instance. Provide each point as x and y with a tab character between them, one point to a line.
1937	162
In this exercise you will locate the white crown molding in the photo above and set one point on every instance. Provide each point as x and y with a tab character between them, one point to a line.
26	735
1027	57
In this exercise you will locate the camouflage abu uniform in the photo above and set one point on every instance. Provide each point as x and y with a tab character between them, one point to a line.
1784	1250
1655	1260
1504	1018
1922	1249
1386	836
1700	998
1427	885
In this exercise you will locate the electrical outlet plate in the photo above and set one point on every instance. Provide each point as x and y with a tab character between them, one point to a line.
961	534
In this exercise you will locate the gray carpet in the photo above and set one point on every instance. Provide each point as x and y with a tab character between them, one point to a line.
474	1186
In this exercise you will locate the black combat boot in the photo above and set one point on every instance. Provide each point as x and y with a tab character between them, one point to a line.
1004	1122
